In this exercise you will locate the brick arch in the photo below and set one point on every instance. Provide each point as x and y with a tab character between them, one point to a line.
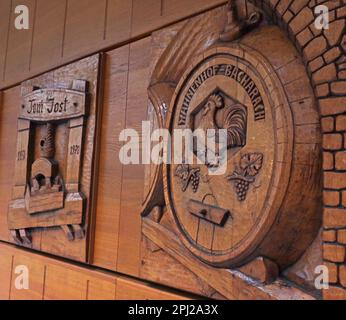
324	55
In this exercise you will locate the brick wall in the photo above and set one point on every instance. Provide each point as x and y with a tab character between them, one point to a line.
324	53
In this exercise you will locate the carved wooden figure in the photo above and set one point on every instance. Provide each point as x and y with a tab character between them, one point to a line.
261	211
54	155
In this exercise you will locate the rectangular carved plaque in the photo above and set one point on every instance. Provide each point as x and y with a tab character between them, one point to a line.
52	187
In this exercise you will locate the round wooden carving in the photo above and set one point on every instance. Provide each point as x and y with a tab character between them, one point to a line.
266	203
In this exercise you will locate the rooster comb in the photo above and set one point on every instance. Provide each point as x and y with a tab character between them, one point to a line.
217	99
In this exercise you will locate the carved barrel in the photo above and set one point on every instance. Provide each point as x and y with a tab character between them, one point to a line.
267	201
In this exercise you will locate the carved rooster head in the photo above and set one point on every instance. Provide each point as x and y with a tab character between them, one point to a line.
214	102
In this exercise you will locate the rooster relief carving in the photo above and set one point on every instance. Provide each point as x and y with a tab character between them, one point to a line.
217	114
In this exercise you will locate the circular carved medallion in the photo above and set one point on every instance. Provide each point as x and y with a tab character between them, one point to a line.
255	206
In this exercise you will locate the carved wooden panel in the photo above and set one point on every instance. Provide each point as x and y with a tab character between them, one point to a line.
54	159
261	214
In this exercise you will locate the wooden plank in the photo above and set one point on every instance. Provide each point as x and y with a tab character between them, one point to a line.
149	15
64	284
5	273
101	289
230	283
36	273
133	174
110	168
48	35
19	45
5	9
54	279
8	136
135	290
118	21
85	23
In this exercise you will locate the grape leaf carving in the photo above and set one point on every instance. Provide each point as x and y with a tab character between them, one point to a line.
251	163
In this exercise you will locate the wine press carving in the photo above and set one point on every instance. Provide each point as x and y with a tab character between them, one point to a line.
47	192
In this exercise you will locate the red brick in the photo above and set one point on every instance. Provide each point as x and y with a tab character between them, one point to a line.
333	252
334	180
342	236
329	236
334	293
331	106
332	54
334	32
339	87
341	123
332	141
331	198
316	64
333	272
328	161
344	198
334	218
322	90
304	37
296	6
342	75
326	74
327	124
342	275
315	48
340	160
341	12
302	20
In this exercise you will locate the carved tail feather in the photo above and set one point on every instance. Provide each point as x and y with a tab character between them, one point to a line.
235	123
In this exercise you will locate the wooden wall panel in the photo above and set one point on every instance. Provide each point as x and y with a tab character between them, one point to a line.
118	21
133	175
64	30
99	289
84	30
120	188
55	279
18	53
149	15
110	168
48	35
5	9
8	136
58	279
36	278
6	259
135	290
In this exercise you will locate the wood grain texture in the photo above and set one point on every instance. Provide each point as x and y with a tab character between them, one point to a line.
71	29
18	53
133	175
163	12
8	128
51	279
110	169
36	272
6	263
84	27
230	283
48	35
5	9
54	240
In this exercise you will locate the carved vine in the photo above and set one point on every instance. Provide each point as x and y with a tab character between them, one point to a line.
249	167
